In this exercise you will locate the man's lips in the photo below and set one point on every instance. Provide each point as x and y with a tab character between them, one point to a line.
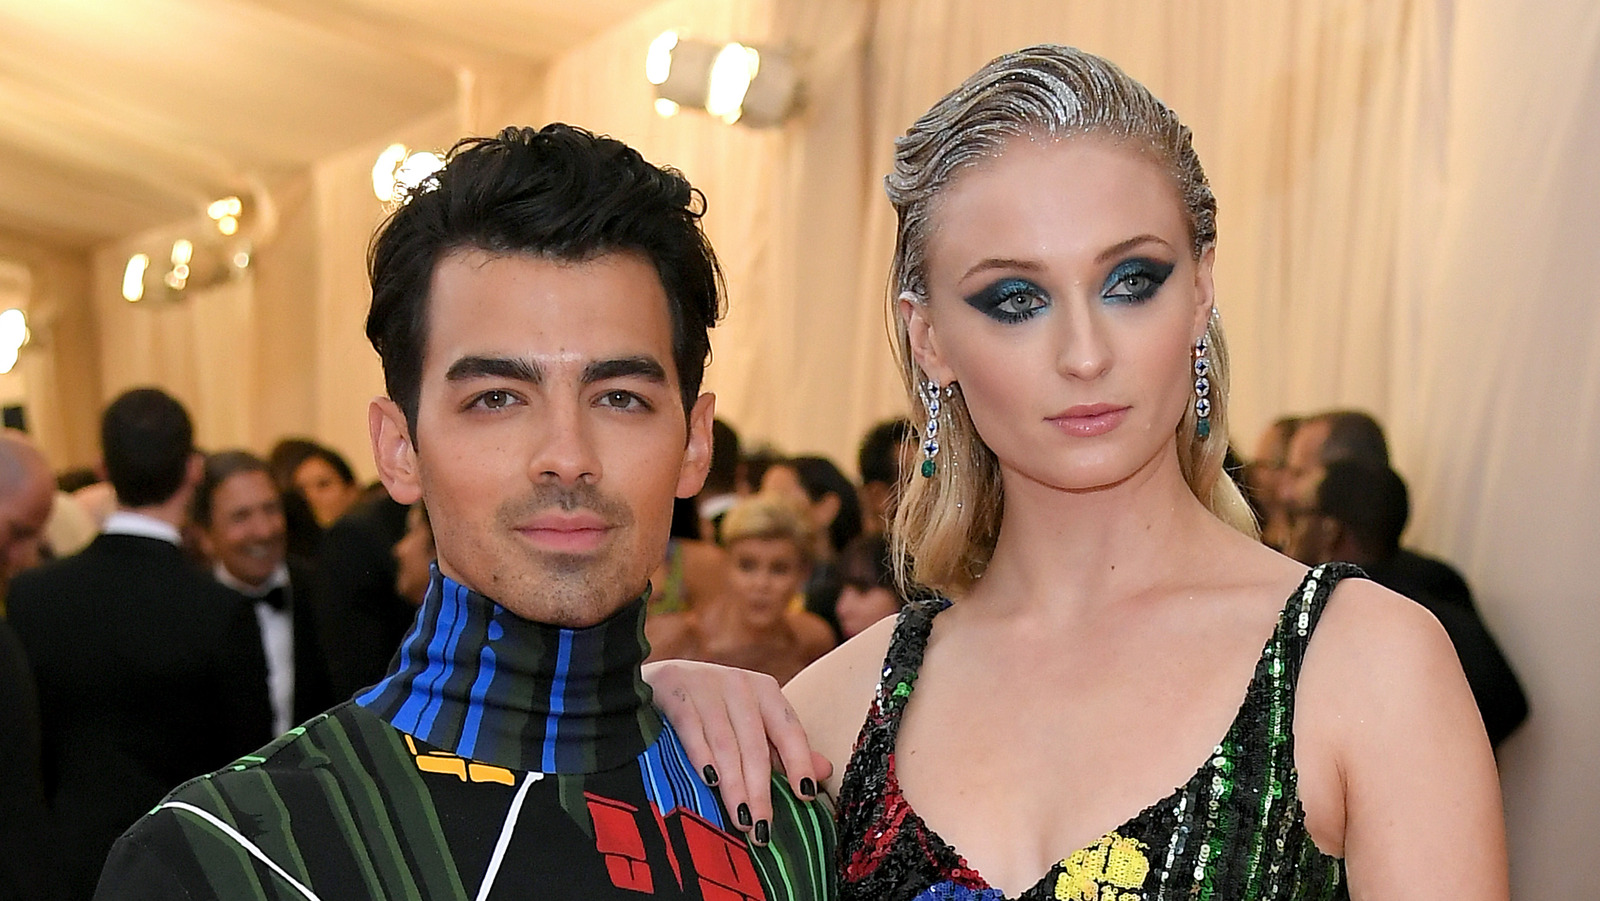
570	533
1089	420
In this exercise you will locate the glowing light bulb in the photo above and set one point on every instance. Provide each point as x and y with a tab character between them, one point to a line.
383	171
665	108
658	59
228	225
227	206
417	167
13	328
182	252
133	277
735	67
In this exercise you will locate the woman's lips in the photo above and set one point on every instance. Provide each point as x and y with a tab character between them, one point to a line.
1089	420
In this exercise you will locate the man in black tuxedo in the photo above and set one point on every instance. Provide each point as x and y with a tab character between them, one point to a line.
149	673
364	617
238	511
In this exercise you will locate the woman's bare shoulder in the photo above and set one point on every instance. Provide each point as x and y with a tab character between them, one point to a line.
1371	641
832	695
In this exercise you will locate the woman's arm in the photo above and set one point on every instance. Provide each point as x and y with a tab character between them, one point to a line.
1421	811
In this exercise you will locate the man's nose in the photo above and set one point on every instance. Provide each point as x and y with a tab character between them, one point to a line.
565	450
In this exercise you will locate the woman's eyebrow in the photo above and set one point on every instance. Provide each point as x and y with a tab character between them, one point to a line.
1122	247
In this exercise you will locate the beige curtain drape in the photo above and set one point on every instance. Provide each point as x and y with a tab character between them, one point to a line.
1410	207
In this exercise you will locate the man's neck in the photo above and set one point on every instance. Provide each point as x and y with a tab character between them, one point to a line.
278	576
171	511
475	679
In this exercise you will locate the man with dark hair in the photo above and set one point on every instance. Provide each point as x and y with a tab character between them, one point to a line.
149	673
881	458
541	306
1357	515
238	511
1327	438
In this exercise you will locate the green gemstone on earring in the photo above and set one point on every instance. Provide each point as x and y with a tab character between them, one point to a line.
1202	430
927	468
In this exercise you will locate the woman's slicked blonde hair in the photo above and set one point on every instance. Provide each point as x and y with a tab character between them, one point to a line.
946	526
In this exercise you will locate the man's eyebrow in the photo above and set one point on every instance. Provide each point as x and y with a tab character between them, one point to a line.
641	367
494	368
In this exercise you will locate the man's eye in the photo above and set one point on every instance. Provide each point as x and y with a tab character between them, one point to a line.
623	400
495	400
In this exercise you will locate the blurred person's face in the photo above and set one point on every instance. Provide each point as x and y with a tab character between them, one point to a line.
328	495
861	605
247	534
1265	469
550	437
22	519
784	482
766	575
1303	470
414	553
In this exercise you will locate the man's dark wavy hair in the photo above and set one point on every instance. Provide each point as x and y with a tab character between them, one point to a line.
146	438
560	193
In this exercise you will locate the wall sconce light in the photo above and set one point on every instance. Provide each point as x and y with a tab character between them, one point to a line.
734	82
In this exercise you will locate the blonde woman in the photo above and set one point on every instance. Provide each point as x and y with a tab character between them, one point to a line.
1121	694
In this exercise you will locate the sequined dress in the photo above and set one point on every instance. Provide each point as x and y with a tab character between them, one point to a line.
1234	831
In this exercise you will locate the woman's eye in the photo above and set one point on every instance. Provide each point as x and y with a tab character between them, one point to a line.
1137	280
1010	300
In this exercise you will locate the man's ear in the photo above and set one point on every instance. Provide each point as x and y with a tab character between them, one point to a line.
924	340
697	454
825	510
393	451
207	546
194	470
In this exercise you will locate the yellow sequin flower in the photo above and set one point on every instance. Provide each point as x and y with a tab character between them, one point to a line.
1111	869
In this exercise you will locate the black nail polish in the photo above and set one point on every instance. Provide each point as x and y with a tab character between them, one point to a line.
808	787
744	815
763	832
710	773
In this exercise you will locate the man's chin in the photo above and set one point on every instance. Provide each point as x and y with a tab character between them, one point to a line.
569	606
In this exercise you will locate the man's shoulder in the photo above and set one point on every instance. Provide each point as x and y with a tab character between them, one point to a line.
310	791
798	860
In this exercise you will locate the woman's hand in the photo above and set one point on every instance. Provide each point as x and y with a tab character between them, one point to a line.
735	725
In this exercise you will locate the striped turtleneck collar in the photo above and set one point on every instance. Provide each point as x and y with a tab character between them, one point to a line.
475	679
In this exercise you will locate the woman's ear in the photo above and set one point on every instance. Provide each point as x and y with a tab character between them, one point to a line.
923	338
1205	291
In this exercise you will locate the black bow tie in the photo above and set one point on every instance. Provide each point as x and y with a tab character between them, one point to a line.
277	598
